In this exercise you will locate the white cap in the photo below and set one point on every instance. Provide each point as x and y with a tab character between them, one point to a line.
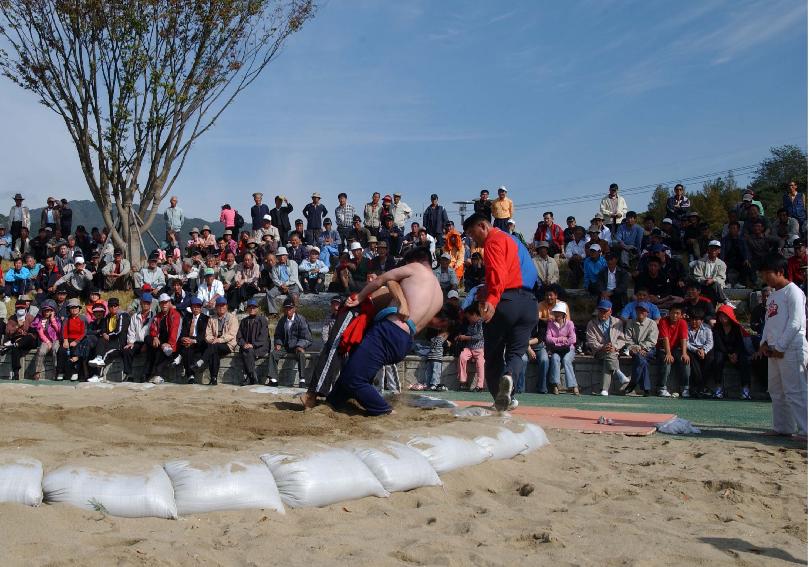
164	297
281	251
78	260
268	217
595	247
446	256
502	188
356	246
452	293
314	249
510	221
667	221
318	195
715	243
560	307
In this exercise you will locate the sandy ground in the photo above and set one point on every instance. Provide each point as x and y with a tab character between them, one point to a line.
596	499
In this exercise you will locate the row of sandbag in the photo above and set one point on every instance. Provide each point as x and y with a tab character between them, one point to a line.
300	475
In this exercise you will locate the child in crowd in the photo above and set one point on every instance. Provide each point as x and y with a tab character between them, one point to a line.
432	360
699	345
561	339
730	348
673	335
471	341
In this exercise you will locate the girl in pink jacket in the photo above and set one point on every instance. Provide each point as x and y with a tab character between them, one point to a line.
228	217
561	337
48	328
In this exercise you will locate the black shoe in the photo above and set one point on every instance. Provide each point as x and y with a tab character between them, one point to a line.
190	379
213	382
252	379
302	383
272	382
124	377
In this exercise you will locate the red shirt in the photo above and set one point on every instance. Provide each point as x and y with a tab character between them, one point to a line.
73	329
675	333
502	265
797	269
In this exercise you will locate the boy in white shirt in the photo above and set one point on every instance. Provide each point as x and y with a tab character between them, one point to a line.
785	345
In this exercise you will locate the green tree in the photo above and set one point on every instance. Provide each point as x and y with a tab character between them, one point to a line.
658	203
771	179
137	82
714	200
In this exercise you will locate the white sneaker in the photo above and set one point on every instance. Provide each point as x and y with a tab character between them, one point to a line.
504	395
685	393
513	404
7	343
272	382
60	377
94	379
603	393
200	363
731	303
664	393
177	360
74	377
95	361
157	380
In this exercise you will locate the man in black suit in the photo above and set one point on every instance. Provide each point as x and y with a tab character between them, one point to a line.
191	344
612	283
281	216
292	336
253	340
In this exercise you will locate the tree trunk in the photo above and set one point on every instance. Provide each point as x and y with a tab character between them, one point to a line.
129	232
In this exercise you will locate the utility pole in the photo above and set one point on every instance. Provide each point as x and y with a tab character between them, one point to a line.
462	208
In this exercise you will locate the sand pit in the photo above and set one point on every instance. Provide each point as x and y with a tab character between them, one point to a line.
584	500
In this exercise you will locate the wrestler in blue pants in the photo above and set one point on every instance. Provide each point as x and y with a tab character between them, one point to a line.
385	343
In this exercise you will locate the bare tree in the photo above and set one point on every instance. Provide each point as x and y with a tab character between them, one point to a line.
137	82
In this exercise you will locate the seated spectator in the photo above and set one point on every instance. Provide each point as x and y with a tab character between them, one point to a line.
671	236
285	279
267	228
192	344
328	235
699	344
729	348
611	284
474	273
656	282
786	228
692	232
161	342
710	273
252	338
113	336
454	246
210	290
390	235
642	338
151	274
246	282
383	262
48	329
673	334
73	331
226	273
296	250
575	255
760	245
180	299
592	265
116	273
292	336
734	252
649	227
87	346
547	268
471	343
359	233
568	232
446	276
17	279
595	238
77	281
5	244
45	280
551	233
312	271
598	221
628	239
561	339
220	334
137	334
537	352
605	339
693	300
797	265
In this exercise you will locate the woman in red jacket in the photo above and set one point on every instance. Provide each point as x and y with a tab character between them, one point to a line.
73	331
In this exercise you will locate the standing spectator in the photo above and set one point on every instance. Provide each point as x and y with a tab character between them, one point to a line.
710	273
729	348
699	345
483	206
795	205
612	283
673	335
575	254
371	214
344	217
280	215
434	219
734	252
471	341
642	337
628	239
401	212
784	343
613	207
18	218
553	234
227	217
605	338
192	345
174	217
314	212
568	233
257	211
592	265
210	290
220	334
760	245
547	268
49	217
797	265
561	338
246	281
292	336
65	217
252	338
502	209
391	235
678	204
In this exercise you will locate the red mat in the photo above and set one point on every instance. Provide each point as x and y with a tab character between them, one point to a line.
627	423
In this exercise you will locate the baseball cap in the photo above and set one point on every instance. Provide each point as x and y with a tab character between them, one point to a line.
452	294
715	243
446	256
667	221
267	218
543	244
113	302
337	299
208	272
164	297
220	301
643	305
434	196
570	219
147	298
595	247
355	246
560	307
289	302
604	304
196	301
510	221
748	197
251	303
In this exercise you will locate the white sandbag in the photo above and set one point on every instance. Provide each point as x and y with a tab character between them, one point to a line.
532	434
236	485
502	443
149	494
396	466
446	452
319	476
472	411
424	401
21	481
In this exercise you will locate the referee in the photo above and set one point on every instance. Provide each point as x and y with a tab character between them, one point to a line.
508	306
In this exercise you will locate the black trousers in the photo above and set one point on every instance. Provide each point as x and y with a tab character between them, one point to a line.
698	369
157	361
128	355
20	348
213	353
239	294
506	336
191	356
104	347
249	358
16	227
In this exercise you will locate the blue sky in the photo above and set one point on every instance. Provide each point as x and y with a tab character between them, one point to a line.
552	99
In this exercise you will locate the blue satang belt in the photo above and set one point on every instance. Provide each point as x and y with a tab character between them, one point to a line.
386	311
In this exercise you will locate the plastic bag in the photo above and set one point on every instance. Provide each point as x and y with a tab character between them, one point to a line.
320	476
472	411
237	485
21	481
149	494
503	443
397	466
677	426
428	402
446	452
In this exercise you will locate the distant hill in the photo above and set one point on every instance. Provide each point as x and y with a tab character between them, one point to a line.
87	213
